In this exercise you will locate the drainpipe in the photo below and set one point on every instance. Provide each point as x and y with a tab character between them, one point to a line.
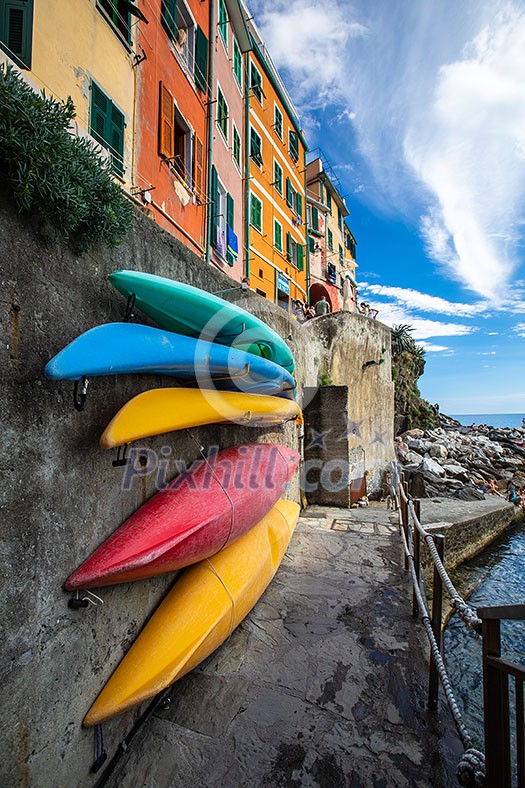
246	169
211	58
307	250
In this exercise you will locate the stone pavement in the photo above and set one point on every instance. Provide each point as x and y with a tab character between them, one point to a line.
324	683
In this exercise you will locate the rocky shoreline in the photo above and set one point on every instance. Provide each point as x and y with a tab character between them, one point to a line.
459	462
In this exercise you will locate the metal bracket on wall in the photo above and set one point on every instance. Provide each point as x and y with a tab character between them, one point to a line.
80	393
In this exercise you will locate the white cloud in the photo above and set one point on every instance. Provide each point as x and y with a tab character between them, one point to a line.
431	348
438	107
470	153
492	333
422	301
392	314
519	329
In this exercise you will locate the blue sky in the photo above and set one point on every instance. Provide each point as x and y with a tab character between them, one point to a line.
420	109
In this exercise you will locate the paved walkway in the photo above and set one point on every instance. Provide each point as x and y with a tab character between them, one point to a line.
322	685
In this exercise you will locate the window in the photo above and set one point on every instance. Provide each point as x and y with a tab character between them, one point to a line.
219	200
175	142
256	83
255	147
236	147
293	145
16	30
329	201
294	252
190	43
256	212
294	200
117	11
107	127
341	255
278	176
223	22
278	235
237	62
311	244
314	218
330	239
278	122
222	113
340	219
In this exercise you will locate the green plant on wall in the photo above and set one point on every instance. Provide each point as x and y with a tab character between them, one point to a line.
324	379
54	175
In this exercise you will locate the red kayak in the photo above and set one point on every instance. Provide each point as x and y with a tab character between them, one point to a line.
196	515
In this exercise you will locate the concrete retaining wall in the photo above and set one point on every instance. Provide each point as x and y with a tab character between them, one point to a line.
61	496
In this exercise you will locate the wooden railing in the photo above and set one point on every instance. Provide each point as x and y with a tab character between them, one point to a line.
494	768
497	673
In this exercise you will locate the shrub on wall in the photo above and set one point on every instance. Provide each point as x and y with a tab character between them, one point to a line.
59	177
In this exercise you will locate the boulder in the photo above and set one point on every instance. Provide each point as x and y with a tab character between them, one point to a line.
428	465
439	451
418	444
415	433
456	471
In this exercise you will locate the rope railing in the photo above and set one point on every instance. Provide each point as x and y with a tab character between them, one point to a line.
471	768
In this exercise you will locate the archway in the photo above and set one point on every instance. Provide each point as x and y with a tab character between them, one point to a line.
317	291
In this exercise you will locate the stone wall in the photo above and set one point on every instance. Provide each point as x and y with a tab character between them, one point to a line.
61	496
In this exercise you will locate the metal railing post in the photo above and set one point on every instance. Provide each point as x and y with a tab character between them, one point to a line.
437	629
496	708
417	557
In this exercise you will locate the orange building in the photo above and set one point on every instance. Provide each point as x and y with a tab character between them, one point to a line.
170	175
332	245
276	257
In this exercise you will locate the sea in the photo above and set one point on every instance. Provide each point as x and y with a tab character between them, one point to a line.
491	419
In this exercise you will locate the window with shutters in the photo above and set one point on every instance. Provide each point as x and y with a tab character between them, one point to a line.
176	142
340	219
255	147
237	62
256	212
278	235
341	255
16	30
293	145
278	122
294	200
294	252
223	23
329	201
330	240
119	13
236	147
256	82
190	44
106	126
222	113
277	177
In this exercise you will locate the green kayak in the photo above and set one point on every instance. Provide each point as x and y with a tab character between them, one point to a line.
187	310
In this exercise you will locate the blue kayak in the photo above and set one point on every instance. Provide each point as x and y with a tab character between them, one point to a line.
124	348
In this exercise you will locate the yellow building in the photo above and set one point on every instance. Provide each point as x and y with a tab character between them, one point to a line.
84	49
275	194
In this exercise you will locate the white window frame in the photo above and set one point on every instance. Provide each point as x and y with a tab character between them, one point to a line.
253	130
236	48
235	131
275	165
253	92
276	110
223	135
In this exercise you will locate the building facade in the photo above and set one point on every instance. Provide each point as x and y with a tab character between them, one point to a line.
225	220
95	68
275	195
332	266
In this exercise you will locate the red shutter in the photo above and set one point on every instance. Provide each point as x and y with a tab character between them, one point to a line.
198	166
166	123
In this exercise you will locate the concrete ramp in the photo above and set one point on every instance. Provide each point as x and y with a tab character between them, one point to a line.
324	684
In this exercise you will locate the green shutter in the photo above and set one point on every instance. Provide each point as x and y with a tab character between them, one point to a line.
223	22
289	193
315	218
278	236
230	211
213	207
300	257
201	60
289	253
237	62
168	16
293	145
299	204
107	127
16	30
311	244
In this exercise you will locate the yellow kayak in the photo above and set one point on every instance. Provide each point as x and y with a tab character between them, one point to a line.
164	410
205	605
